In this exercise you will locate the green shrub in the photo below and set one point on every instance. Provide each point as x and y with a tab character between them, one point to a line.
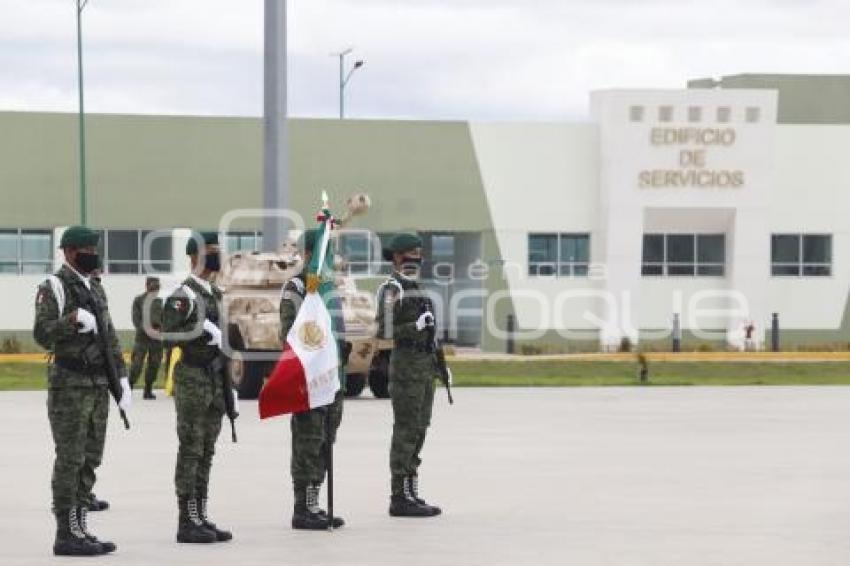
10	345
530	350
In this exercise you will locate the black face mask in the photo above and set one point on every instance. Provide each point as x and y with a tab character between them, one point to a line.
411	265
87	262
212	262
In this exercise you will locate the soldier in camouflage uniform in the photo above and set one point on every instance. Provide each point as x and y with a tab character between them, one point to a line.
406	315
148	343
310	435
192	321
78	395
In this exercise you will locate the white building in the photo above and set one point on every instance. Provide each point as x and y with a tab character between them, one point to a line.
701	204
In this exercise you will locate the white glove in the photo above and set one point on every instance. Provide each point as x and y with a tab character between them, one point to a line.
214	332
86	322
126	394
425	319
236	401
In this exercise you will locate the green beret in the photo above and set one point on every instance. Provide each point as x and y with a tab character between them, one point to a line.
401	243
79	237
308	239
209	239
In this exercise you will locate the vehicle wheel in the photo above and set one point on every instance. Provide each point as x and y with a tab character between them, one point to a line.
253	376
379	376
354	384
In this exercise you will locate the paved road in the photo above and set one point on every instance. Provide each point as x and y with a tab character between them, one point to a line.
614	477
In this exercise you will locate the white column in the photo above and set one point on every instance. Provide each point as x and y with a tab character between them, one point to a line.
748	262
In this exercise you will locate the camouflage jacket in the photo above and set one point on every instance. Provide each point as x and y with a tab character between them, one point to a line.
400	303
154	315
183	316
54	331
291	298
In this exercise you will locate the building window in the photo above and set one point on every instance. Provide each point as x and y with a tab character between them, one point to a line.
442	257
753	114
724	114
653	254
564	255
801	255
357	250
636	113
689	255
25	252
542	254
133	252
680	254
243	241
694	114
665	113
711	255
362	252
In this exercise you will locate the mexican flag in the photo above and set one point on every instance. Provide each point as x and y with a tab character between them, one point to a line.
307	374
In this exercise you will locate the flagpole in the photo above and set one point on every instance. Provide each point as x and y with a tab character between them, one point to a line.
330	458
329	447
326	235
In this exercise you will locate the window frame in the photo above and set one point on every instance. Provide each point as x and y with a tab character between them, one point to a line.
636	113
694	114
801	264
752	114
375	265
560	267
697	267
19	261
142	266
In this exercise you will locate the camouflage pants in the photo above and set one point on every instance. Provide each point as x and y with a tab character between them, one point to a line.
412	392
142	348
199	402
309	442
78	417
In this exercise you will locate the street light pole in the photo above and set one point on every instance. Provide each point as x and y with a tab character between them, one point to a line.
81	4
343	78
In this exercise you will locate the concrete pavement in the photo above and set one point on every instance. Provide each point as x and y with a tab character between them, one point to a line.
615	477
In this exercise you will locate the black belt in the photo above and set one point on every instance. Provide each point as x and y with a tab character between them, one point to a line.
79	366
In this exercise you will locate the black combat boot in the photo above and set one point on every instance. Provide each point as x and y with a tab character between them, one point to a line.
338	522
413	489
70	538
96	504
149	393
220	535
402	504
190	527
82	520
307	515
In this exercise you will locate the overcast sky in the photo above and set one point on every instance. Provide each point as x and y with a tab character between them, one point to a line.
429	59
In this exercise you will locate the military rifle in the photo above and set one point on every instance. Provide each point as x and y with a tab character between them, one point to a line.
97	306
435	347
221	368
